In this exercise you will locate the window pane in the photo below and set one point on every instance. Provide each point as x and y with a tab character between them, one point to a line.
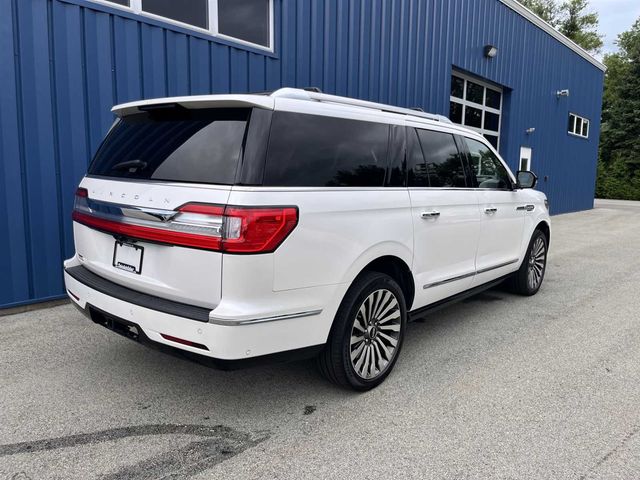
193	12
120	2
310	151
585	128
493	99
572	123
493	140
457	87
489	171
397	157
473	117
475	93
444	163
245	19
578	128
491	121
200	146
418	176
455	112
523	164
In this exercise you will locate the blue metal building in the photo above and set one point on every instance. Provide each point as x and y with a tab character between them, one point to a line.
64	63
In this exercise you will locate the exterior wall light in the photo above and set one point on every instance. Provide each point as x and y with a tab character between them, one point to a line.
562	93
490	51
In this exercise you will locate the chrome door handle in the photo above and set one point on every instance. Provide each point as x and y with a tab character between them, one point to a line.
491	210
431	214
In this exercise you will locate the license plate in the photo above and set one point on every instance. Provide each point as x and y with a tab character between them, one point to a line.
127	256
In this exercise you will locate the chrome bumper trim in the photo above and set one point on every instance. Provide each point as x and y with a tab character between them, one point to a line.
252	321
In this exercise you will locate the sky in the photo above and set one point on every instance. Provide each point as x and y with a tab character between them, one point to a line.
616	16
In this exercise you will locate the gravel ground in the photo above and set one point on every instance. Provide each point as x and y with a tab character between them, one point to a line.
498	386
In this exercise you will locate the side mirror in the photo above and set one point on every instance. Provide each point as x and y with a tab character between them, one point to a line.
526	179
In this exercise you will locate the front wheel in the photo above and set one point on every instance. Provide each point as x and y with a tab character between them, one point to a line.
528	279
367	334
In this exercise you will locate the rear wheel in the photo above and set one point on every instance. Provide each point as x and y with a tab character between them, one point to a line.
367	333
528	279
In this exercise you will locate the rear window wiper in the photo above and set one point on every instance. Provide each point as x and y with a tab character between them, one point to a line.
137	164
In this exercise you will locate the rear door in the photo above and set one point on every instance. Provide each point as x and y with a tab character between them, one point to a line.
502	218
146	214
445	216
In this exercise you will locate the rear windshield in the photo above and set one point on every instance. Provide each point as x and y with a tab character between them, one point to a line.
174	144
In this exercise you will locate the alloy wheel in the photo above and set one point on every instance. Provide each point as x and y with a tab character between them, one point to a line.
537	260
375	334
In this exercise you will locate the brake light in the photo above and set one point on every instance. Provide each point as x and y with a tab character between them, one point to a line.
230	229
251	230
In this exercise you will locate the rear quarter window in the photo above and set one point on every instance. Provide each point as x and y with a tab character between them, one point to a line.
174	144
317	151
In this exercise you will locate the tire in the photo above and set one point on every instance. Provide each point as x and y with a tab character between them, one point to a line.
528	279
373	297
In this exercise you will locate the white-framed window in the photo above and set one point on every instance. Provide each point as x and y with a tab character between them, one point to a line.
476	105
248	22
579	125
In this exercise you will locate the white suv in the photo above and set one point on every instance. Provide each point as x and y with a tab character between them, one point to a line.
236	228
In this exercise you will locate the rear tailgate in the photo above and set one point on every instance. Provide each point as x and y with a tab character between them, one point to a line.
154	162
183	274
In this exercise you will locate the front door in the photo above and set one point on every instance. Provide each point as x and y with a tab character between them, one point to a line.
502	220
445	216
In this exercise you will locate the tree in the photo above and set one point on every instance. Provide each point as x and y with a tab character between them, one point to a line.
619	162
545	9
572	19
580	26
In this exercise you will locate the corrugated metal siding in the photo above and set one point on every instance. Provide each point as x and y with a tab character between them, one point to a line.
64	63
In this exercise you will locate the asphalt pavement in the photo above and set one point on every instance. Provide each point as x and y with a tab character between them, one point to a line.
498	386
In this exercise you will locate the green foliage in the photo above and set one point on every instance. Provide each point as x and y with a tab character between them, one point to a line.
547	10
572	19
580	26
619	163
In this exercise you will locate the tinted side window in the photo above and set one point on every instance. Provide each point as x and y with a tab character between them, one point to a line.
443	161
397	171
316	151
418	176
488	169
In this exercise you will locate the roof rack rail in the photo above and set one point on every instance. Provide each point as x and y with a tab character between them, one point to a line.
308	94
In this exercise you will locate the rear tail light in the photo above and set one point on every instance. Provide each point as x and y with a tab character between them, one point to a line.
230	229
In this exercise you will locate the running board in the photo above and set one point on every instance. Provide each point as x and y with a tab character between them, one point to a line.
421	312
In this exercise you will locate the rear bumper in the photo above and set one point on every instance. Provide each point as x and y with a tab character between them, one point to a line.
159	323
136	333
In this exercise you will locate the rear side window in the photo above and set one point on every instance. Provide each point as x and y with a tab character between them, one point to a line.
317	151
442	162
174	144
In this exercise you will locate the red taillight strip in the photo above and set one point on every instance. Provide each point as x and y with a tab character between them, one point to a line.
184	342
170	237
